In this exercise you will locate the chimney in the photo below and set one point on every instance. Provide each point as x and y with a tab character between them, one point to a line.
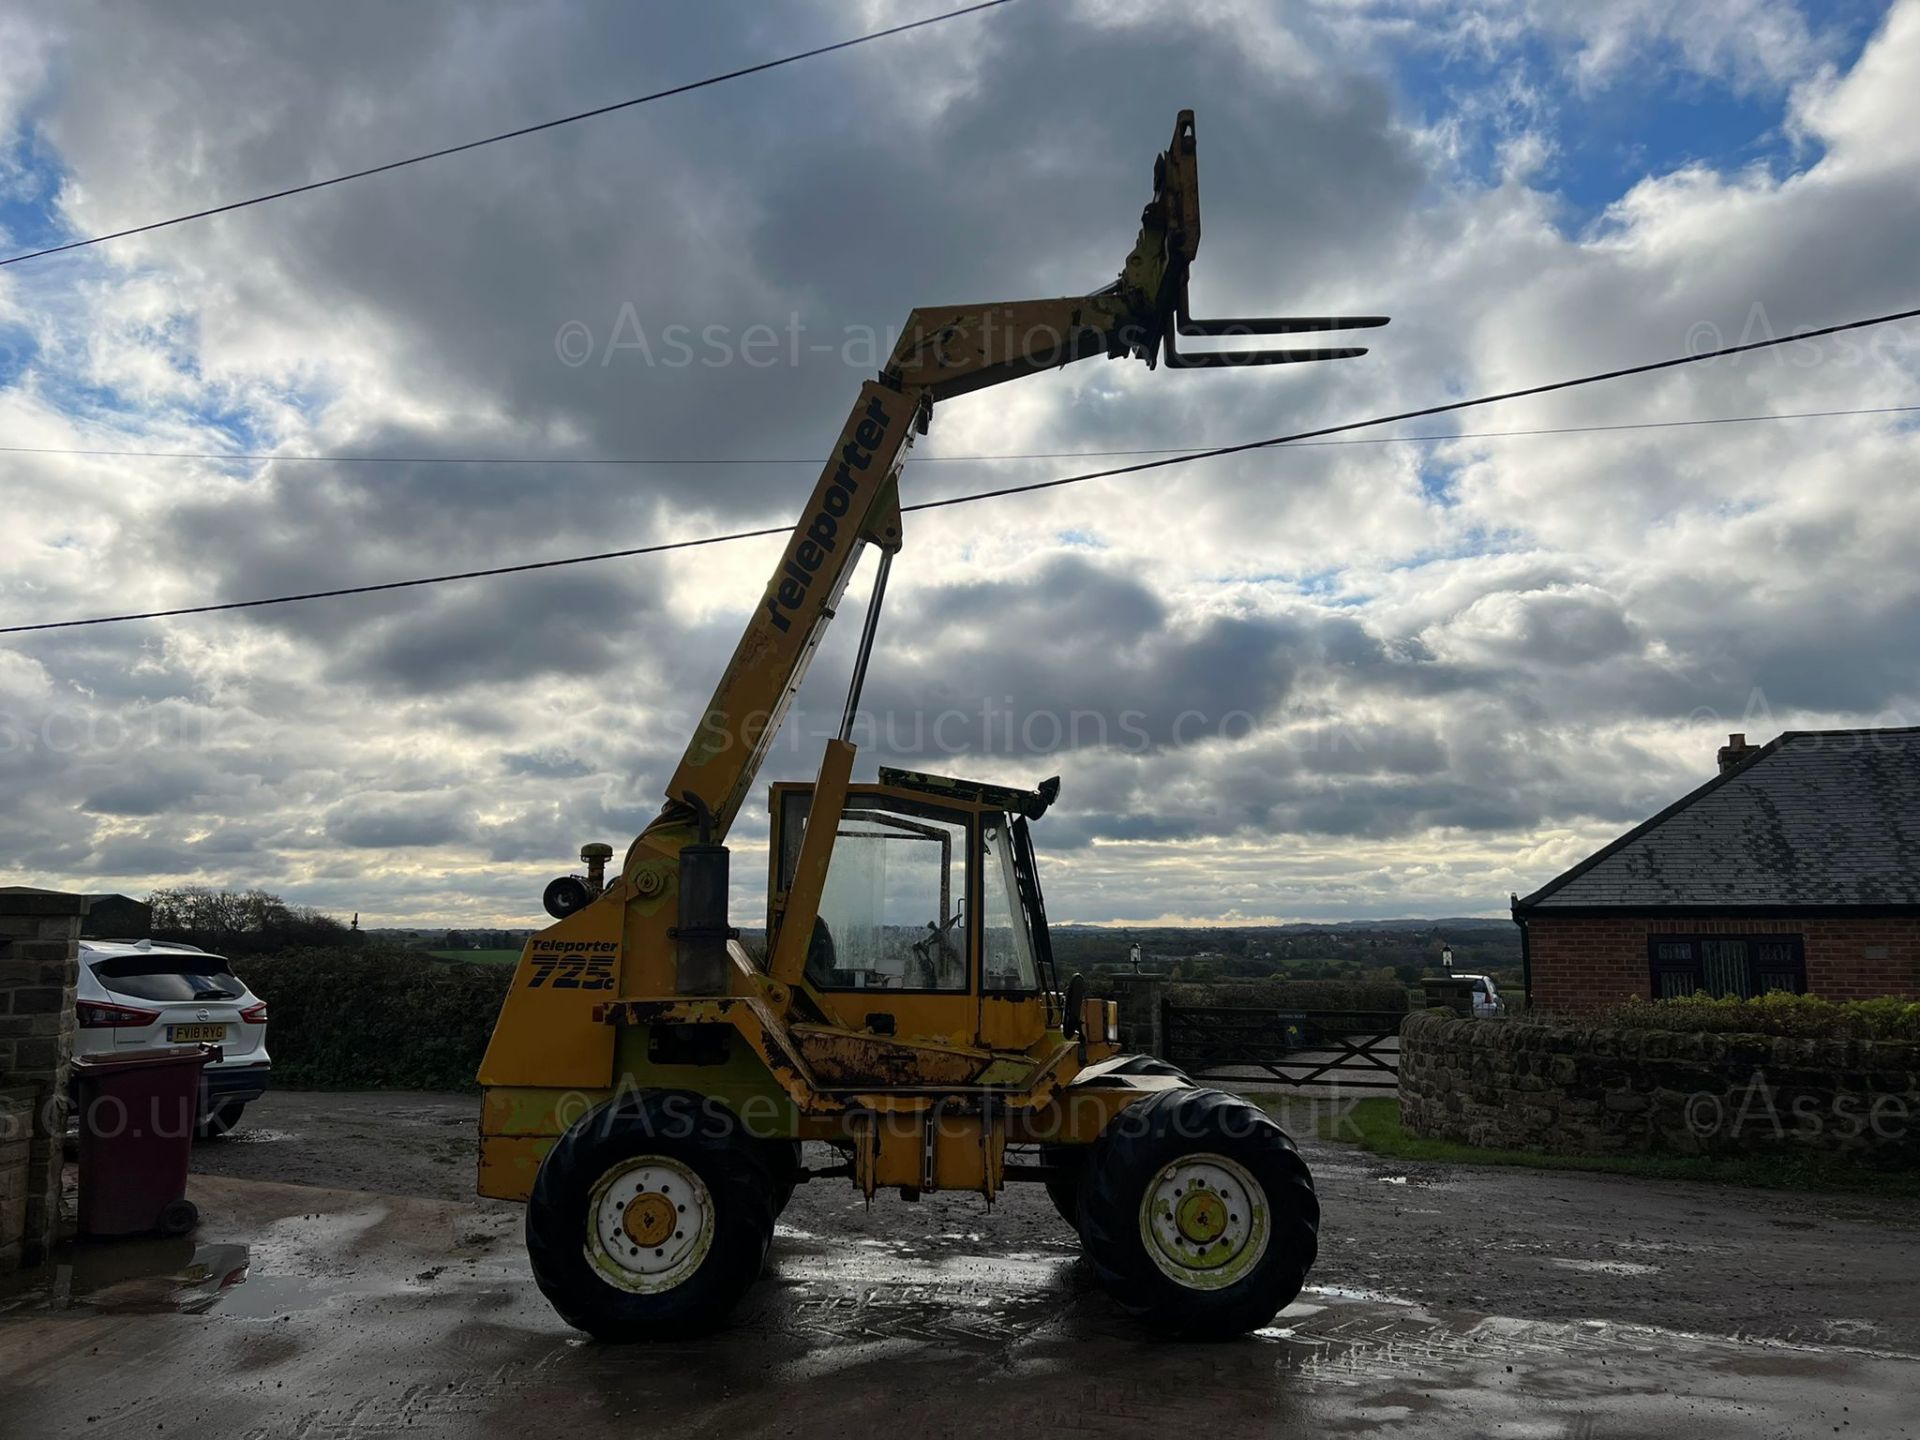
1735	752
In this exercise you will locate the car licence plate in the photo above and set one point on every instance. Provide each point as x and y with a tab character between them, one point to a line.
191	1034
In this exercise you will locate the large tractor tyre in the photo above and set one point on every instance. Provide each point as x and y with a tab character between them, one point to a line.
1070	1161
1198	1214
785	1162
1148	1065
1063	1187
650	1218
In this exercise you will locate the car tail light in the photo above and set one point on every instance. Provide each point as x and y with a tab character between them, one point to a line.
256	1013
98	1015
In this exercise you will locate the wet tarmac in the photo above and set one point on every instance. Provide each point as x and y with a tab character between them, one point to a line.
298	1311
1530	1244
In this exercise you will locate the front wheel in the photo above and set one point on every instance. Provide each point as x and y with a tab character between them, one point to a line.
1198	1214
1068	1163
650	1218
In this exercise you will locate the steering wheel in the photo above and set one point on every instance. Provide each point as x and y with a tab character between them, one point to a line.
923	949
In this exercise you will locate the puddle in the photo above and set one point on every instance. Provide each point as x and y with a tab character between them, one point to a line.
1348	1292
252	1136
980	1274
269	1297
1606	1267
1414	1182
158	1277
131	1277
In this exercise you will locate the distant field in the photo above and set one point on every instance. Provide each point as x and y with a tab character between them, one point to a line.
479	957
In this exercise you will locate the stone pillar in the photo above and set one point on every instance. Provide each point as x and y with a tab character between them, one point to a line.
39	964
1150	999
1139	997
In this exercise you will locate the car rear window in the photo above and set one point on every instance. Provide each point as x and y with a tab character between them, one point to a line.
169	977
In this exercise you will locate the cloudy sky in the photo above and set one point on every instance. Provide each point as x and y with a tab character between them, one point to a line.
1349	681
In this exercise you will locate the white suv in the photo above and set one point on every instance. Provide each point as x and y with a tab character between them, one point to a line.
1486	997
142	994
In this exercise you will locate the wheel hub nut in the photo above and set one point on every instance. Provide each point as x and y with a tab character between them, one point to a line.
648	1219
1202	1216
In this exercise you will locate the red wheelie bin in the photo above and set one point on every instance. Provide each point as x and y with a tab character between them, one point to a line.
137	1113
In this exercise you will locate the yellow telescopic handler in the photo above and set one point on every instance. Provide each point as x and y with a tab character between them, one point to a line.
649	1084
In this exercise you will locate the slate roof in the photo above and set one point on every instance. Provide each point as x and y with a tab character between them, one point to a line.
1816	818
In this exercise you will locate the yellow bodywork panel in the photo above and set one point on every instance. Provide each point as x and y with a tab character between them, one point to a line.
546	1034
518	1125
1011	1022
1077	1112
927	1147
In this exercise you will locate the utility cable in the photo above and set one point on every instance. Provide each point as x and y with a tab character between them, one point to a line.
1448	407
504	135
536	461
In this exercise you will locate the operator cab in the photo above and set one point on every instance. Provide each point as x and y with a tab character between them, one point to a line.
931	907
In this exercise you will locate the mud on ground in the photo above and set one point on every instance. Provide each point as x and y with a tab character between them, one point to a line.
1531	1244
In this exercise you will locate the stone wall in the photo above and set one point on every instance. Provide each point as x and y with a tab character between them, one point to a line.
1571	1090
1590	963
39	931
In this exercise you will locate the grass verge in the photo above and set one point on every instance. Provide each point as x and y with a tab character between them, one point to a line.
1374	1125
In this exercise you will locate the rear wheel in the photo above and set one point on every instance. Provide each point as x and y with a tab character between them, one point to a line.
785	1163
1198	1214
221	1118
650	1218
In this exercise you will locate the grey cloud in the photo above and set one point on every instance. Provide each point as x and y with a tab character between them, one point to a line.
396	822
146	791
544	764
1503	696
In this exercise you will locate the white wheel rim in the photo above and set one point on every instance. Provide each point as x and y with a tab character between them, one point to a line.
649	1224
1204	1221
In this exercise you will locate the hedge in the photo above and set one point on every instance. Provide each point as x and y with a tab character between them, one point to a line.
379	1018
375	1018
1795	1016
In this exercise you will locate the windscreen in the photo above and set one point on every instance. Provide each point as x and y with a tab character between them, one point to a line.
891	910
163	976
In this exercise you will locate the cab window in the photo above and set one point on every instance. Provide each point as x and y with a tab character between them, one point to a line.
1007	942
891	915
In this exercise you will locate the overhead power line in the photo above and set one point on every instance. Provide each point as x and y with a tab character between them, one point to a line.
1296	438
540	461
505	134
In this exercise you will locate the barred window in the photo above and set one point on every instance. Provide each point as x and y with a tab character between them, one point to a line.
1743	965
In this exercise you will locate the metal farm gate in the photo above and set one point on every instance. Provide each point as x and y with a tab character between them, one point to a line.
1348	1049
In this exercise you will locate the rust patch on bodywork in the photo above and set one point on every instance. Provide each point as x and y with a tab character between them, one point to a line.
841	1057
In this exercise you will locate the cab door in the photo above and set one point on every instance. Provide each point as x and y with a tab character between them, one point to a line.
895	941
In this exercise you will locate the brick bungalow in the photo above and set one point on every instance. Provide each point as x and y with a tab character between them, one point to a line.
1796	868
